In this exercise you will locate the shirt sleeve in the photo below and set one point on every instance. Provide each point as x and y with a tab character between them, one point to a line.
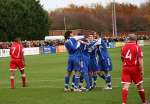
71	45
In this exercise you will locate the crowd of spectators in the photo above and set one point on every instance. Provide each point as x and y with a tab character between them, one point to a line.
122	39
41	43
35	43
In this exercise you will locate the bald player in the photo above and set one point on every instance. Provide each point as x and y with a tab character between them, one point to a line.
132	68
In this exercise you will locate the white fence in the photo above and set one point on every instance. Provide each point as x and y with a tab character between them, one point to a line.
4	52
27	51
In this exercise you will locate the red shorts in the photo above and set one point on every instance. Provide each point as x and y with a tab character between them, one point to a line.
16	63
131	74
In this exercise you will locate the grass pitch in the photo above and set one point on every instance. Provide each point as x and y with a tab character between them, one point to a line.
45	75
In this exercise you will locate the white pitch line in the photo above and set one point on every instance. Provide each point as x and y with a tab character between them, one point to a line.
53	87
55	80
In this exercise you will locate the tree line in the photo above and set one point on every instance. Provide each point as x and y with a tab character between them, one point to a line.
130	18
27	19
23	18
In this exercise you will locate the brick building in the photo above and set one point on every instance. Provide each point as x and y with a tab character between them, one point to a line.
76	31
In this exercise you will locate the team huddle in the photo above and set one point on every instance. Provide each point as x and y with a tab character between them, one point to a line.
88	58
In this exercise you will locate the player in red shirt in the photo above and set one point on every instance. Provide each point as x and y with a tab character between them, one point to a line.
17	61
132	68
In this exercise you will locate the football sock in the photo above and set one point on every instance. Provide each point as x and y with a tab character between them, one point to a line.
81	80
90	80
67	81
76	81
23	80
86	77
142	95
103	76
108	80
12	82
95	78
73	80
124	96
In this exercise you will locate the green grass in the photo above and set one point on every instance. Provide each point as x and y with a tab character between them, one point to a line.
45	75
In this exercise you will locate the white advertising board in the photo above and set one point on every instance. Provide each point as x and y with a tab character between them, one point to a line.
27	51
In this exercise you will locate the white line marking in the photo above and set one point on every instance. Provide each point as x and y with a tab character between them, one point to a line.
53	87
55	80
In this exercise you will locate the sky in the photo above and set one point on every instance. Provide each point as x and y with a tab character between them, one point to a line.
54	4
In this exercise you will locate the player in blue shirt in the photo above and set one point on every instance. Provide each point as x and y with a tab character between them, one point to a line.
72	46
84	64
104	62
93	64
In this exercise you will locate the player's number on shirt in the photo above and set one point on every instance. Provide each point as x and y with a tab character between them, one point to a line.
13	49
128	55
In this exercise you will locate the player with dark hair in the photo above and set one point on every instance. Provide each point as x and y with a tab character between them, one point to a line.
17	61
132	68
72	46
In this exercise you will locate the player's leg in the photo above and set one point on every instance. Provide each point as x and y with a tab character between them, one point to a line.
86	78
100	72
86	73
107	68
67	79
91	62
68	74
141	92
77	68
23	77
73	81
77	77
125	87
93	73
126	80
90	78
13	67
20	66
94	79
108	80
95	67
138	80
81	80
12	78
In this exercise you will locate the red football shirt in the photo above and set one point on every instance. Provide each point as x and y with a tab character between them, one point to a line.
131	52
16	51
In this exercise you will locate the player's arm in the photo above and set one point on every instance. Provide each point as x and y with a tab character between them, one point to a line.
141	66
23	58
122	57
10	52
83	42
70	45
140	60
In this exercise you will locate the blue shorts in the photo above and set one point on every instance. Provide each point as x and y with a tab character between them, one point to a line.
84	64
73	63
105	65
93	65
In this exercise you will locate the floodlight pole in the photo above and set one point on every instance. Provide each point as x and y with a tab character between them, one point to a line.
65	23
114	24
